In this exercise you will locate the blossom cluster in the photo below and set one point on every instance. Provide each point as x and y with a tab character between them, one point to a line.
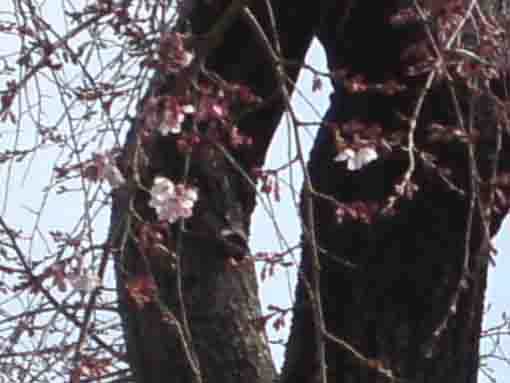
174	114
171	201
166	114
172	46
170	55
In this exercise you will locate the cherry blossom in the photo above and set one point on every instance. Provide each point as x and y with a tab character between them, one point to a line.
356	159
211	108
142	290
174	115
103	167
173	52
84	282
170	201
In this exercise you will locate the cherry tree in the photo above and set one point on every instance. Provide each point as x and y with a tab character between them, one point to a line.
165	110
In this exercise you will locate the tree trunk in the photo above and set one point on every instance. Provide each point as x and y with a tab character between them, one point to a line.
402	288
402	292
388	288
226	342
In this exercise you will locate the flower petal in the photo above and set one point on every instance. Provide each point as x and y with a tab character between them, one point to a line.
345	155
367	154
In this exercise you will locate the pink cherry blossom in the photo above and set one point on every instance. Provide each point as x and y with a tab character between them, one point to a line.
173	53
104	167
174	115
211	108
170	201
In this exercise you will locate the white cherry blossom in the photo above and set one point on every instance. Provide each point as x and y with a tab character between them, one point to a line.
84	282
187	59
357	159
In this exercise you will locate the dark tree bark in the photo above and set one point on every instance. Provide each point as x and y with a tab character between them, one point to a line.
397	289
221	302
388	288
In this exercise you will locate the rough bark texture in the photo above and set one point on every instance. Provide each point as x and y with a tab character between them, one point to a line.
404	268
221	302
